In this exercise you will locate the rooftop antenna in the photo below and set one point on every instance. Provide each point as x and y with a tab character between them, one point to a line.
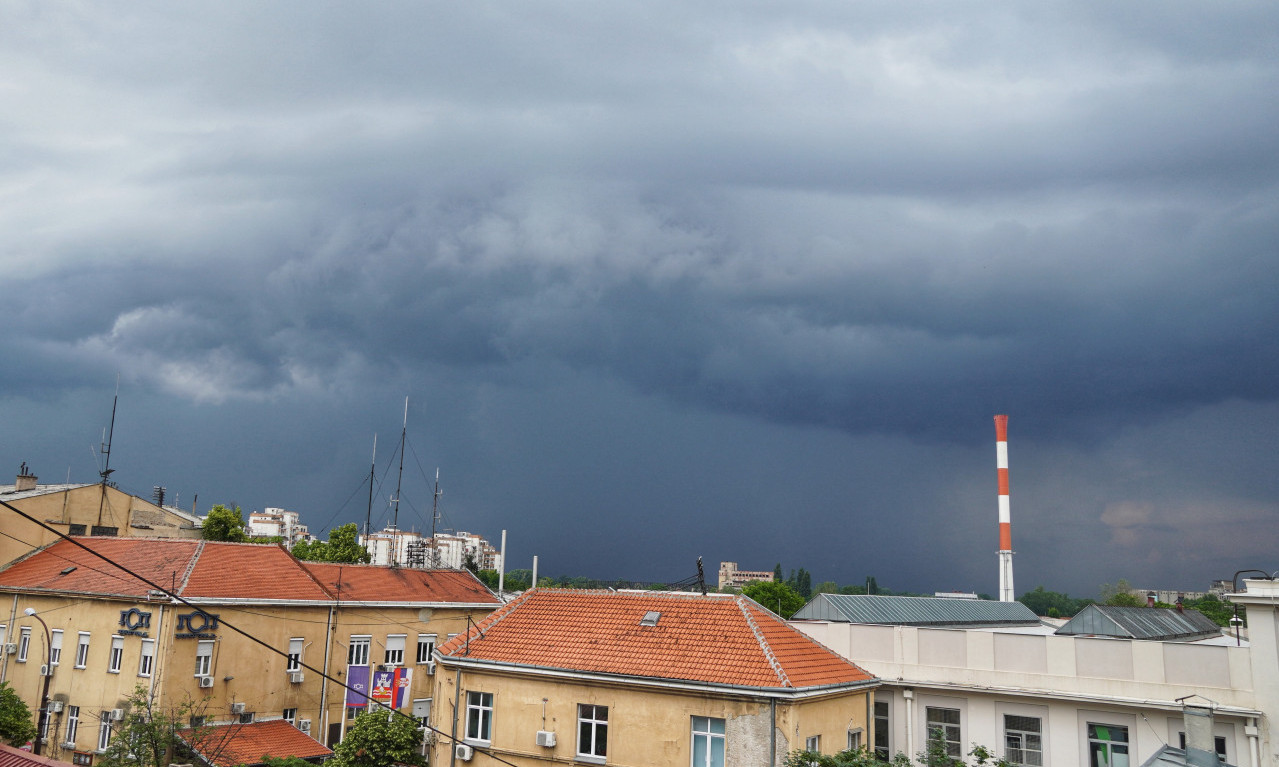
368	517
106	451
435	513
395	511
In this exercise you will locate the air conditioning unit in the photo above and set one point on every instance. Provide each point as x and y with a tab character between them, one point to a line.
55	707
430	667
385	667
206	682
546	739
428	737
69	744
296	677
237	708
44	670
117	714
304	725
10	648
463	752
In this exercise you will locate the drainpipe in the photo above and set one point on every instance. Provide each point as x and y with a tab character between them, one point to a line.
13	620
1254	747
324	681
457	699
909	696
772	732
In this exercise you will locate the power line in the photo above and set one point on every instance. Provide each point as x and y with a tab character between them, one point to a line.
183	601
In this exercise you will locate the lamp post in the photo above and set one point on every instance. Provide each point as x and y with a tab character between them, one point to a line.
43	722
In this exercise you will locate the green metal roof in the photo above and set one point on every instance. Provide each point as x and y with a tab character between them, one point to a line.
1156	623
915	611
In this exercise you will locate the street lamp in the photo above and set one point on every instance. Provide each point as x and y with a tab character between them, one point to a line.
30	612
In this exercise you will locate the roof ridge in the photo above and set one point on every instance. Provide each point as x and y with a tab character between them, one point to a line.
199	549
763	644
493	618
307	571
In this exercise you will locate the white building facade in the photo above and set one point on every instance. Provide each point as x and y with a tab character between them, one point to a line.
277	523
446	550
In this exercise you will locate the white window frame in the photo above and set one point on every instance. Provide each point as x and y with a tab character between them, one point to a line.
425	647
592	721
955	746
146	659
55	646
82	650
24	643
104	731
394	651
422	711
1020	736
294	662
479	712
73	724
204	658
856	739
704	728
882	750
813	743
1126	743
357	652
290	715
116	659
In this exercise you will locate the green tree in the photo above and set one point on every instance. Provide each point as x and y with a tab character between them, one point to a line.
1052	603
379	738
343	547
16	725
224	524
1120	595
777	573
148	735
826	587
775	596
1220	612
489	578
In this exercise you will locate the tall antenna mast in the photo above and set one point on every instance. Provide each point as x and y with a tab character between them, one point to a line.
106	451
435	513
368	517
1005	522
395	511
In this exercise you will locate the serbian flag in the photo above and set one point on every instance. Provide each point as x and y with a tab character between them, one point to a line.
390	688
357	677
403	679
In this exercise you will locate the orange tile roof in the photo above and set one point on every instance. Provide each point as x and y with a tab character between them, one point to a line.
716	639
234	744
367	583
11	756
196	569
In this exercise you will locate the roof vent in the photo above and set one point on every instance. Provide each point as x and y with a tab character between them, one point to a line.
650	618
68	570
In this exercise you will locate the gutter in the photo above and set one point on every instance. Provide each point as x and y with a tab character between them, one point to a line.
1165	705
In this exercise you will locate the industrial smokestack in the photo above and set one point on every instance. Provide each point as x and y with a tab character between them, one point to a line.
1005	523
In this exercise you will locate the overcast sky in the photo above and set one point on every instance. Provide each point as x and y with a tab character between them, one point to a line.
660	280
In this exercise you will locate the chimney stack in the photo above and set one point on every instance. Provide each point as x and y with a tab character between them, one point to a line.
1150	599
26	480
1201	748
1005	523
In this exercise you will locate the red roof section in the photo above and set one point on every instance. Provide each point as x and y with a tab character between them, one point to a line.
164	563
17	757
367	583
229	745
717	639
214	570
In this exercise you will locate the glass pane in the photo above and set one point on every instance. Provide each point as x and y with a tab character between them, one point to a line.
584	739
1120	756
717	748
699	750
717	726
1097	755
601	740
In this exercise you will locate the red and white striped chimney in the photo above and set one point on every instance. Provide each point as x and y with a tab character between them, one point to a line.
1005	522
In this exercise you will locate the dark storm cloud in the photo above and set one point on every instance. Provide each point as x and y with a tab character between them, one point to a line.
816	228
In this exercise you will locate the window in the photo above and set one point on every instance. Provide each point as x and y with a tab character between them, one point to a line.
44	727
4	633
148	657
197	721
295	655
395	649
943	724
1023	743
358	653
1107	745
55	647
204	658
592	730
708	742
353	711
881	730
82	650
1218	743
104	731
855	739
479	716
246	717
73	724
422	711
24	643
290	715
117	655
425	647
813	743
77	529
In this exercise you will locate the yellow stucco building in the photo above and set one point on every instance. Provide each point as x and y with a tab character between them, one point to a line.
643	678
108	632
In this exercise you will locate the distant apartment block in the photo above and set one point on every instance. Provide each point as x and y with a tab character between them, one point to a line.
277	523
729	575
446	550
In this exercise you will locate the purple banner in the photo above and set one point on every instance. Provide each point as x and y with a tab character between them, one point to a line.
358	678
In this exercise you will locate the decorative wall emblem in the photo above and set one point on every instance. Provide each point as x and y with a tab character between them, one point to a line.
133	621
197	625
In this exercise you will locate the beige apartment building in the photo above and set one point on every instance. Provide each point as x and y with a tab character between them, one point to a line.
108	632
643	678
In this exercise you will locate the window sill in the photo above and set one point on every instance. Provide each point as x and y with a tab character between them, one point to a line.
587	759
109	671
477	742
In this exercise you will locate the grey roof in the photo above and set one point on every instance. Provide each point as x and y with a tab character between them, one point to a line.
1170	756
1158	623
915	611
8	493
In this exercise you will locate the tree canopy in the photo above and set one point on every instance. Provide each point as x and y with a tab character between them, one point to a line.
775	596
16	727
1052	603
224	524
148	735
343	546
379	738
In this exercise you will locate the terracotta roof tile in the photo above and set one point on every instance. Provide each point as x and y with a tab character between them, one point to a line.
165	563
234	744
367	583
717	639
250	571
11	756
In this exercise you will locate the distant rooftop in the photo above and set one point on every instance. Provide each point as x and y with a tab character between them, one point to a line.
249	743
1153	623
915	611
